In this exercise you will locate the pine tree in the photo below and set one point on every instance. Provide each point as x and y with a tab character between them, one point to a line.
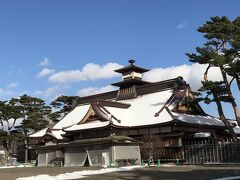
8	134
221	50
34	113
31	111
62	105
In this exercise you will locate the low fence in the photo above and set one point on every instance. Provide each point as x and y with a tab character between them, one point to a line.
207	152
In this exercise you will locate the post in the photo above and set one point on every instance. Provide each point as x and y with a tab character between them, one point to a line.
26	152
158	162
177	162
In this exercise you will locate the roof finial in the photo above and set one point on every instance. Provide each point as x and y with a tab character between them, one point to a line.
131	61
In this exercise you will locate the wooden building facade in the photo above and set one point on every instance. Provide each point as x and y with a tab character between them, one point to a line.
141	120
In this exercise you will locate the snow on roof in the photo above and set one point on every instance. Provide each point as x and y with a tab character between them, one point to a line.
202	134
39	133
142	110
58	134
198	119
55	133
89	125
70	119
236	129
73	117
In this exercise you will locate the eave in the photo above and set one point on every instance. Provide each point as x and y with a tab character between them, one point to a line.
103	140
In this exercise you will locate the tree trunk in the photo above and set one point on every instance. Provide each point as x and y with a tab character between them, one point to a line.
223	118
2	125
233	102
8	142
26	152
220	109
238	83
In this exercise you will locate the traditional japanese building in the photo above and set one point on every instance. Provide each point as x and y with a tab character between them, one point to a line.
116	127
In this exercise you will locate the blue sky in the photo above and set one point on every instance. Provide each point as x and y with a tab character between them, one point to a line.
60	37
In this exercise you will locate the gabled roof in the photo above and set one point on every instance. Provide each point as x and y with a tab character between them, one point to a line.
57	134
39	133
140	113
73	117
149	109
70	119
152	106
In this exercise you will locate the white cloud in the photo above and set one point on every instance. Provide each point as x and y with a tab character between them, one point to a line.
44	62
6	92
88	72
95	90
12	85
45	72
47	92
182	25
192	74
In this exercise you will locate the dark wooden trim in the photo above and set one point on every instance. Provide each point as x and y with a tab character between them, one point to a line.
89	99
155	87
170	113
132	81
141	90
145	126
86	116
48	134
103	140
112	116
96	108
113	104
171	134
127	93
131	67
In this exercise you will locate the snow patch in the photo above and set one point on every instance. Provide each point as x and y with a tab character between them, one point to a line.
228	178
79	174
17	166
202	134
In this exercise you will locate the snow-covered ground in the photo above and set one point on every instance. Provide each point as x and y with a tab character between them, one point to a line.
79	174
228	178
17	166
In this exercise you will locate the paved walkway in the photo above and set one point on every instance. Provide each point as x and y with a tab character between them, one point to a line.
152	173
173	173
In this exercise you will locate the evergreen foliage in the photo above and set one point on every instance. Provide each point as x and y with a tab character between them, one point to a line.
221	50
30	111
63	105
